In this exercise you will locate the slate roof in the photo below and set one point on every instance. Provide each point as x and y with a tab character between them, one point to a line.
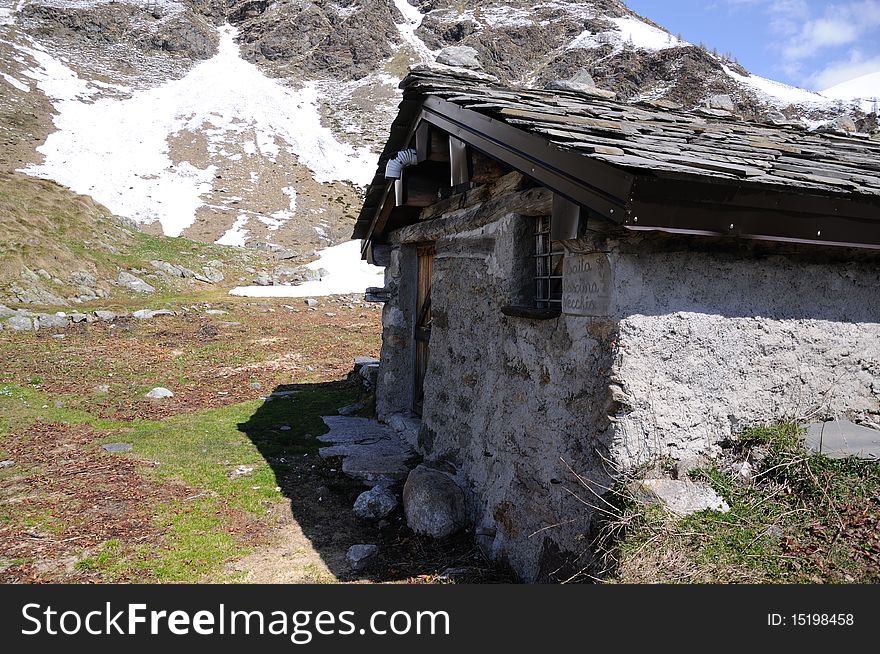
651	140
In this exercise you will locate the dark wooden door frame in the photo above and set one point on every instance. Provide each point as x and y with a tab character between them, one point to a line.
422	325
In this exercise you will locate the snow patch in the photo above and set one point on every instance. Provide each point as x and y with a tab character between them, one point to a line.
776	92
117	150
54	78
165	6
290	192
21	86
629	31
321	229
344	12
346	273
6	17
235	235
412	19
504	17
278	218
644	36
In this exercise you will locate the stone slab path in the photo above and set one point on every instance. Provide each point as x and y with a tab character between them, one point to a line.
372	452
838	439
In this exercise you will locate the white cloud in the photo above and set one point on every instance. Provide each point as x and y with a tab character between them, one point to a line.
818	44
841	71
842	24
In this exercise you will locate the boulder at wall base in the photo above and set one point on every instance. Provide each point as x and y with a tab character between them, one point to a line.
433	503
681	497
375	504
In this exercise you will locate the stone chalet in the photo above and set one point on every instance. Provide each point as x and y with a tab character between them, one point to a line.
578	287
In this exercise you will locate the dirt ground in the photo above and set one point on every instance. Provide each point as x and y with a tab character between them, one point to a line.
215	484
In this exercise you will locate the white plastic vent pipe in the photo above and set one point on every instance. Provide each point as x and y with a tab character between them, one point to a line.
395	166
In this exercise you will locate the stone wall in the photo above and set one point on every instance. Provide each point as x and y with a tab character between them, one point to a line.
394	388
510	403
715	338
683	342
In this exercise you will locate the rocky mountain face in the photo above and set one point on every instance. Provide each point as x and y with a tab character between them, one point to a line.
259	121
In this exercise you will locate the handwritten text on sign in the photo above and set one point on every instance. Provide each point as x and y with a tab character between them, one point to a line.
586	284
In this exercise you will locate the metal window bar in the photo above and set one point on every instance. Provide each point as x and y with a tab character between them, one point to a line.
548	266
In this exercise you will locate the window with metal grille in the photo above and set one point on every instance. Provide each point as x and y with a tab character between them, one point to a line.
548	266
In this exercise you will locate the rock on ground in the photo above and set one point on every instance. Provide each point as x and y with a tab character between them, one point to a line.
350	409
433	503
580	82
721	101
241	471
407	426
129	281
19	323
838	439
118	447
48	321
211	275
159	393
371	452
375	504
460	56
361	361
360	556
681	497
146	314
370	374
842	123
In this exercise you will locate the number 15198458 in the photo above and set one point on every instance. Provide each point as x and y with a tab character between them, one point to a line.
810	620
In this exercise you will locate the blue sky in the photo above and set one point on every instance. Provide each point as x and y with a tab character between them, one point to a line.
808	43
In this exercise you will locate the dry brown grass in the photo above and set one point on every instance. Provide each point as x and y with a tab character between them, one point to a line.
40	221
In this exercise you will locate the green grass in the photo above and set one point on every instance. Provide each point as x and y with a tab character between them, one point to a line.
195	545
39	520
197	542
46	226
22	405
199	449
802	520
202	449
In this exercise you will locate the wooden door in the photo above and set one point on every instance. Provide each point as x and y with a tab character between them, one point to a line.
423	323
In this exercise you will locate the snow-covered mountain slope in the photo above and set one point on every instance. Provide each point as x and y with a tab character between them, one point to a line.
864	89
119	150
183	136
247	121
